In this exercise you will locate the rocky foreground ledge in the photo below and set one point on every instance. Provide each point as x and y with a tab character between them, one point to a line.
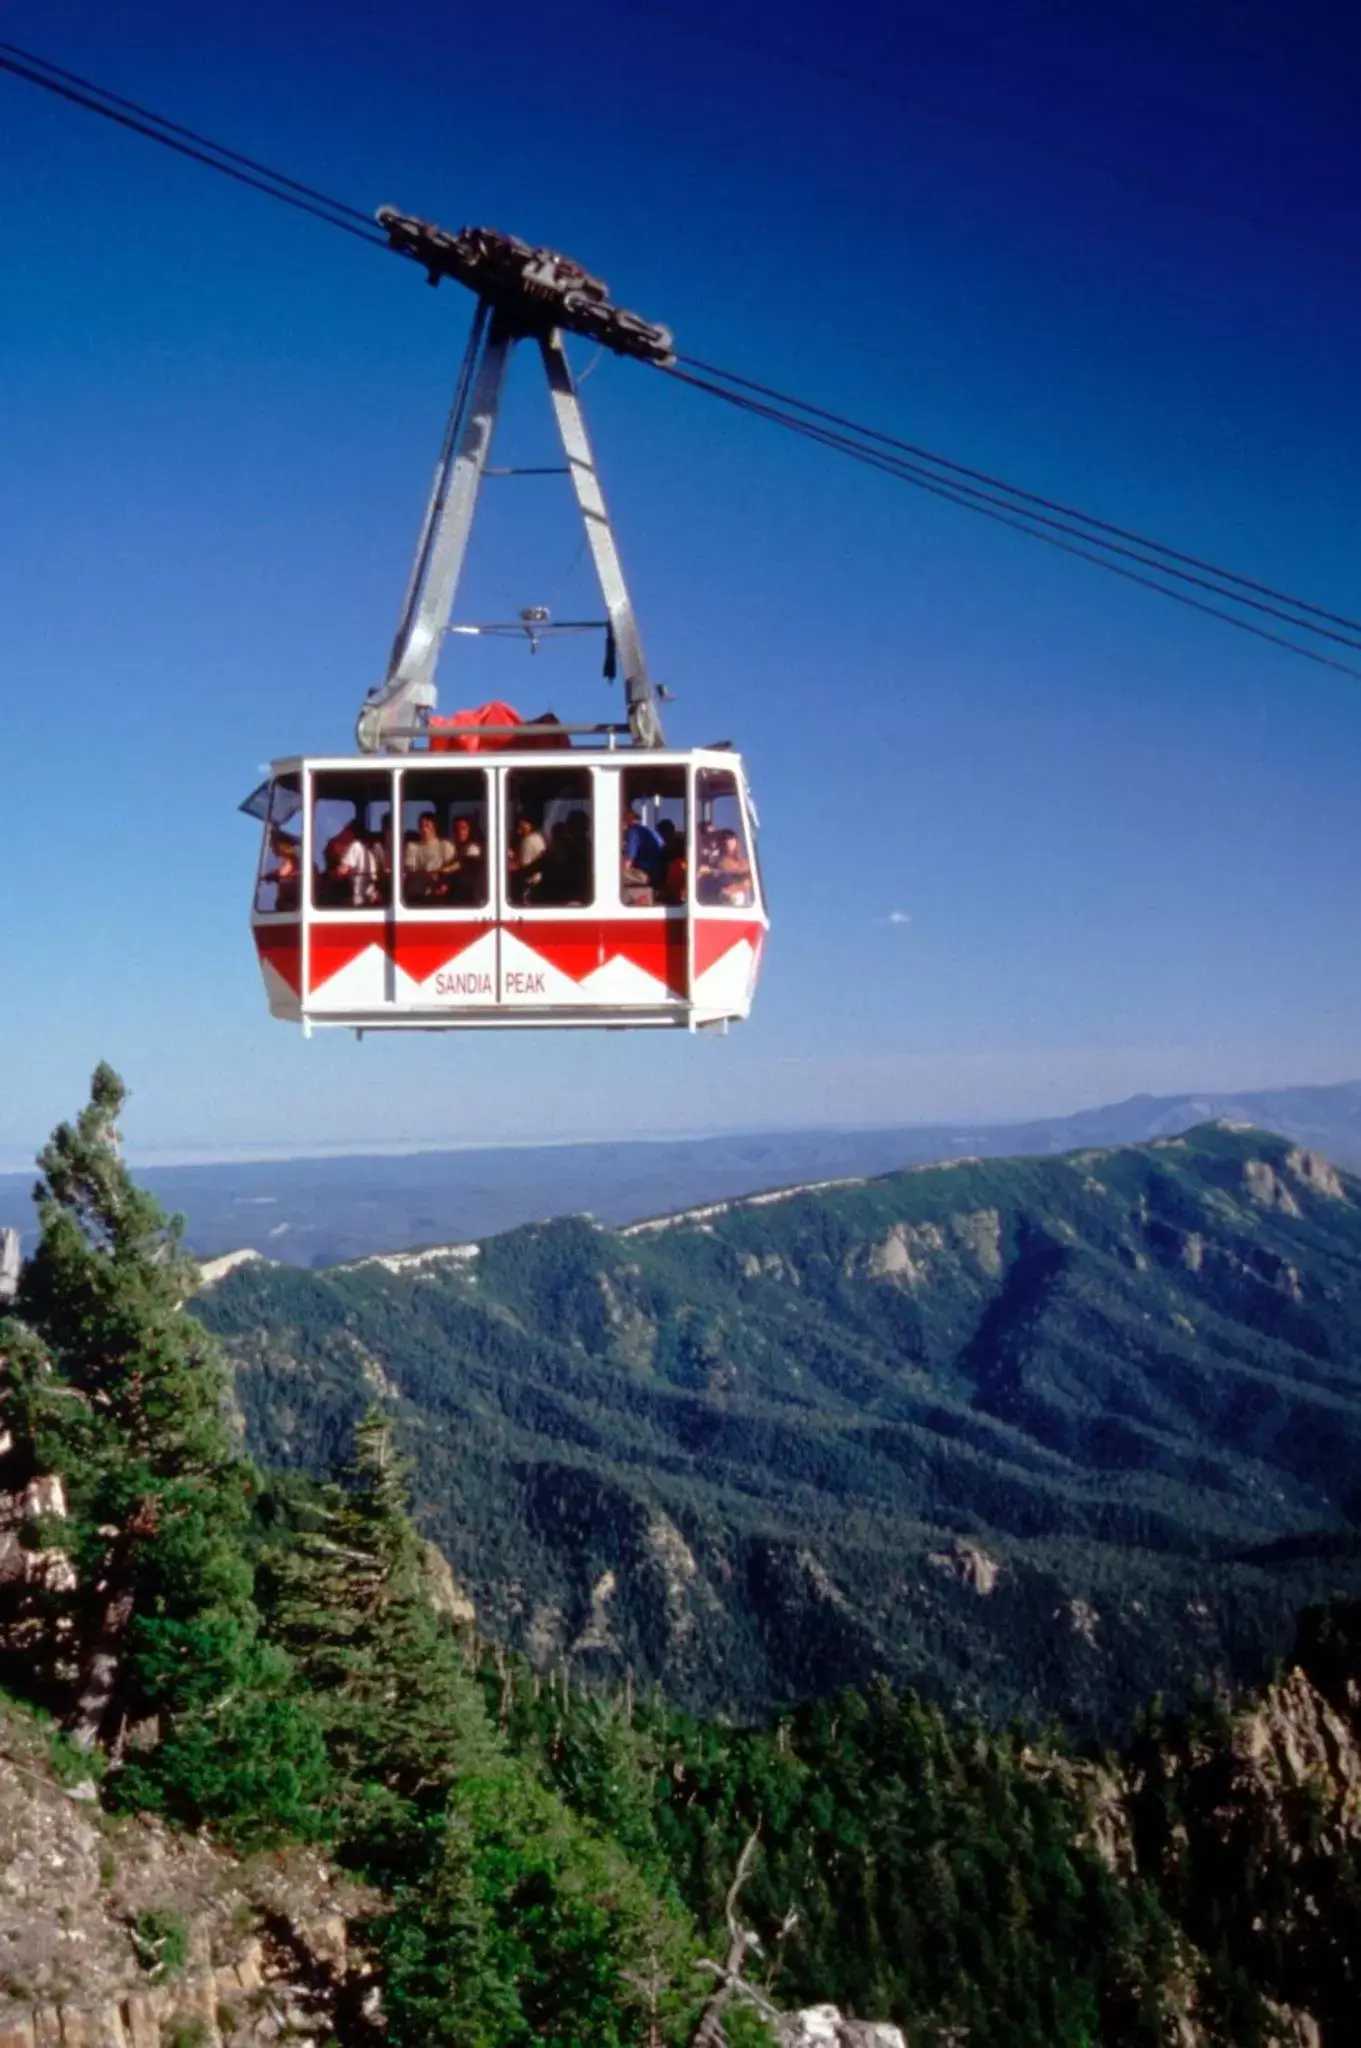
118	1933
121	1933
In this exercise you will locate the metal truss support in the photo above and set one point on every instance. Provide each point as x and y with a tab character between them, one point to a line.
407	695
644	718
397	711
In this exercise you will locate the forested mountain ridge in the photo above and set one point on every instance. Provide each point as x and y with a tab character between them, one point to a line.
1039	1436
308	1806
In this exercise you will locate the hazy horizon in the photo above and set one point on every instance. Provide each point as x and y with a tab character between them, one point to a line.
410	1147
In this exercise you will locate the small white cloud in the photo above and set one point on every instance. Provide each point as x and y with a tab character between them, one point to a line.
899	917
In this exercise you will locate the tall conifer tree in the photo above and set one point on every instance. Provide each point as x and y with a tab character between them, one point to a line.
112	1386
401	1707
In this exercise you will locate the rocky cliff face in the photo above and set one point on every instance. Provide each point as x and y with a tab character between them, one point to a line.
1248	1826
120	1934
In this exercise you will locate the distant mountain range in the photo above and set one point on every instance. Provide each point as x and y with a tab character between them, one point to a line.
1040	1436
316	1212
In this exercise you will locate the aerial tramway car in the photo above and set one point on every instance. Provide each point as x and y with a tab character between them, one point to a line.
482	870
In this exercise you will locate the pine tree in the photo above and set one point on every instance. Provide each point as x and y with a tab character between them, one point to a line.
111	1385
404	1715
510	1921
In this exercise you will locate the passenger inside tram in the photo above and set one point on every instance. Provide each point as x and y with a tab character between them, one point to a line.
525	858
286	874
565	879
550	854
354	871
652	836
724	871
673	858
724	874
425	859
444	818
351	840
467	870
644	863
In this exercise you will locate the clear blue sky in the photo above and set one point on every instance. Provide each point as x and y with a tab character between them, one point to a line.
1128	841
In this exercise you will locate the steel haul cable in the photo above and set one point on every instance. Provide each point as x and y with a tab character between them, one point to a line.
954	494
982	477
1102	543
246	170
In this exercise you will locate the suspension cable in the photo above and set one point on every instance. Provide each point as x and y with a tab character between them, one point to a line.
955	494
232	163
1089	538
983	477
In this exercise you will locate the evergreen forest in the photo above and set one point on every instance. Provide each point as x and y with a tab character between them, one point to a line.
555	1850
1036	1437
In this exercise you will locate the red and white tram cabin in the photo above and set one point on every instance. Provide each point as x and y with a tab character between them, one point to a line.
353	929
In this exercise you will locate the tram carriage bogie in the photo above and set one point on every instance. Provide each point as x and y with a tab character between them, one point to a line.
358	923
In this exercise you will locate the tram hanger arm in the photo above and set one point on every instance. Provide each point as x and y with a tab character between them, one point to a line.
407	697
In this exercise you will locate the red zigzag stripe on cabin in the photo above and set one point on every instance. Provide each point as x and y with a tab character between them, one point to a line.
420	950
716	936
332	946
280	945
576	947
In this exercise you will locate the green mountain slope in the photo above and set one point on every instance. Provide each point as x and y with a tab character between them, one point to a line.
1038	1436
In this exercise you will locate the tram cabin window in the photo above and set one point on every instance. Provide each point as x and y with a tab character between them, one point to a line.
351	840
723	866
444	840
550	857
279	887
652	856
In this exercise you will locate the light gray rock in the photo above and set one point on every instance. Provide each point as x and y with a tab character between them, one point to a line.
10	1262
823	2026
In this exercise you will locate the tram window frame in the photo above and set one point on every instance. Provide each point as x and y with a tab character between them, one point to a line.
452	793
283	804
659	794
714	786
536	794
362	789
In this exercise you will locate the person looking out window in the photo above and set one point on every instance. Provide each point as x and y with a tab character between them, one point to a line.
466	866
642	851
525	859
287	872
425	859
354	868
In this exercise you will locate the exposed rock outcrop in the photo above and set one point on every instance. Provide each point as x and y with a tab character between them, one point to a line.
1316	1173
1265	1185
10	1262
447	1596
122	1934
823	2026
968	1563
